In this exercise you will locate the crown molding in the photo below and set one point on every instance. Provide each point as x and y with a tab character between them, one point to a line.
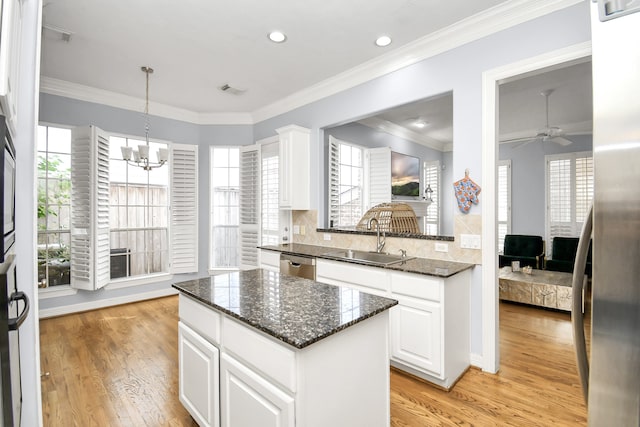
483	24
402	132
99	96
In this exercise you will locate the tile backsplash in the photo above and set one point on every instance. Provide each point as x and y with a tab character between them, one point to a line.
463	224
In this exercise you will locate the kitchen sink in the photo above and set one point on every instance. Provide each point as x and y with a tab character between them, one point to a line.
368	257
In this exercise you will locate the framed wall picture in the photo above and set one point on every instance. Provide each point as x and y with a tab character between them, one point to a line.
405	175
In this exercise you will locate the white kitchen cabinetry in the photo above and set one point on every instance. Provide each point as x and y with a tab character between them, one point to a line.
294	167
429	332
270	260
199	376
341	380
10	42
249	400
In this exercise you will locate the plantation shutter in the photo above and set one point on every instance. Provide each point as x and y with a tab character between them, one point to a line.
504	201
334	182
569	193
90	248
378	174
432	178
249	205
184	208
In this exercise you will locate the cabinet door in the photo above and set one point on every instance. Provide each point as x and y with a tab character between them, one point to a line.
294	168
416	338
248	400
10	39
199	370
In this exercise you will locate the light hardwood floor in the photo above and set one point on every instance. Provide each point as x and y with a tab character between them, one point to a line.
118	367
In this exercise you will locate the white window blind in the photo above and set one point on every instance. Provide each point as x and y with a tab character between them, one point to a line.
569	193
431	177
270	194
346	188
378	173
504	201
90	208
184	208
249	205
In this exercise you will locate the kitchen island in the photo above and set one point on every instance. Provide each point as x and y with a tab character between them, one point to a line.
260	348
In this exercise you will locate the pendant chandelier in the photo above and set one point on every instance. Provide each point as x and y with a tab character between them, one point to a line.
141	155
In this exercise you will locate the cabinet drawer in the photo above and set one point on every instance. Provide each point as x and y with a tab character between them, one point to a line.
416	285
266	356
201	318
346	273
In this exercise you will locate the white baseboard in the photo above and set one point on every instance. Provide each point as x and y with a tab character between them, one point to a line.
107	302
475	360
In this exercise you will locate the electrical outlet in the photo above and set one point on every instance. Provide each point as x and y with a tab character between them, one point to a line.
303	230
470	241
442	247
296	229
327	236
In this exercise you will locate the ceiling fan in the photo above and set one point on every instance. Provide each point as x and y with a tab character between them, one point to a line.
549	133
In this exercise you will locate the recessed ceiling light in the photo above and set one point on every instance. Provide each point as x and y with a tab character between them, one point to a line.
383	41
421	124
277	37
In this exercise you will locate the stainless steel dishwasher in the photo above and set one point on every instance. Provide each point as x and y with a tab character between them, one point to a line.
299	266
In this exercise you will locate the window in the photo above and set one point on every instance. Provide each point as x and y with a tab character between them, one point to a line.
346	172
504	201
138	213
225	192
569	193
270	197
431	178
54	206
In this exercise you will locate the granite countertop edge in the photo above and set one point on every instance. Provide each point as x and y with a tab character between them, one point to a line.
414	265
298	344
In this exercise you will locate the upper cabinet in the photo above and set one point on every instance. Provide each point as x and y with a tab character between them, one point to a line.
10	37
295	165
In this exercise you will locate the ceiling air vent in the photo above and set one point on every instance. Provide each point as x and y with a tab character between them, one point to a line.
232	90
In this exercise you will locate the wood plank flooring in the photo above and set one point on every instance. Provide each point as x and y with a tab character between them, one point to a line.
118	367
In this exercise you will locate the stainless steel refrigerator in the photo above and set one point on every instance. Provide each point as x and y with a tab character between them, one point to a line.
612	376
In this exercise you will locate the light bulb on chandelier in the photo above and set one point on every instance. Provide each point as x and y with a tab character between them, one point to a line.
141	155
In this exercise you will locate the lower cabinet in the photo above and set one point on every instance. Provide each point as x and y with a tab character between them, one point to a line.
248	400
415	335
199	362
429	328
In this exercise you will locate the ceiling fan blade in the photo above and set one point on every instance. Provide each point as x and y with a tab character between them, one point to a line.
561	140
523	139
524	142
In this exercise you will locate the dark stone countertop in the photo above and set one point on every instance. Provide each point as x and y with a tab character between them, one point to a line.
291	309
429	267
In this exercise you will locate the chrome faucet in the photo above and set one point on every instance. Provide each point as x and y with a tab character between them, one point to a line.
380	243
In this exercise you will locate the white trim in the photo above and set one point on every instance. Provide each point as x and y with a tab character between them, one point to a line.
56	292
485	23
137	281
490	80
107	302
490	21
475	360
104	97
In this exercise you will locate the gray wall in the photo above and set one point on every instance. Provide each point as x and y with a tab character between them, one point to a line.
459	70
70	112
528	181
